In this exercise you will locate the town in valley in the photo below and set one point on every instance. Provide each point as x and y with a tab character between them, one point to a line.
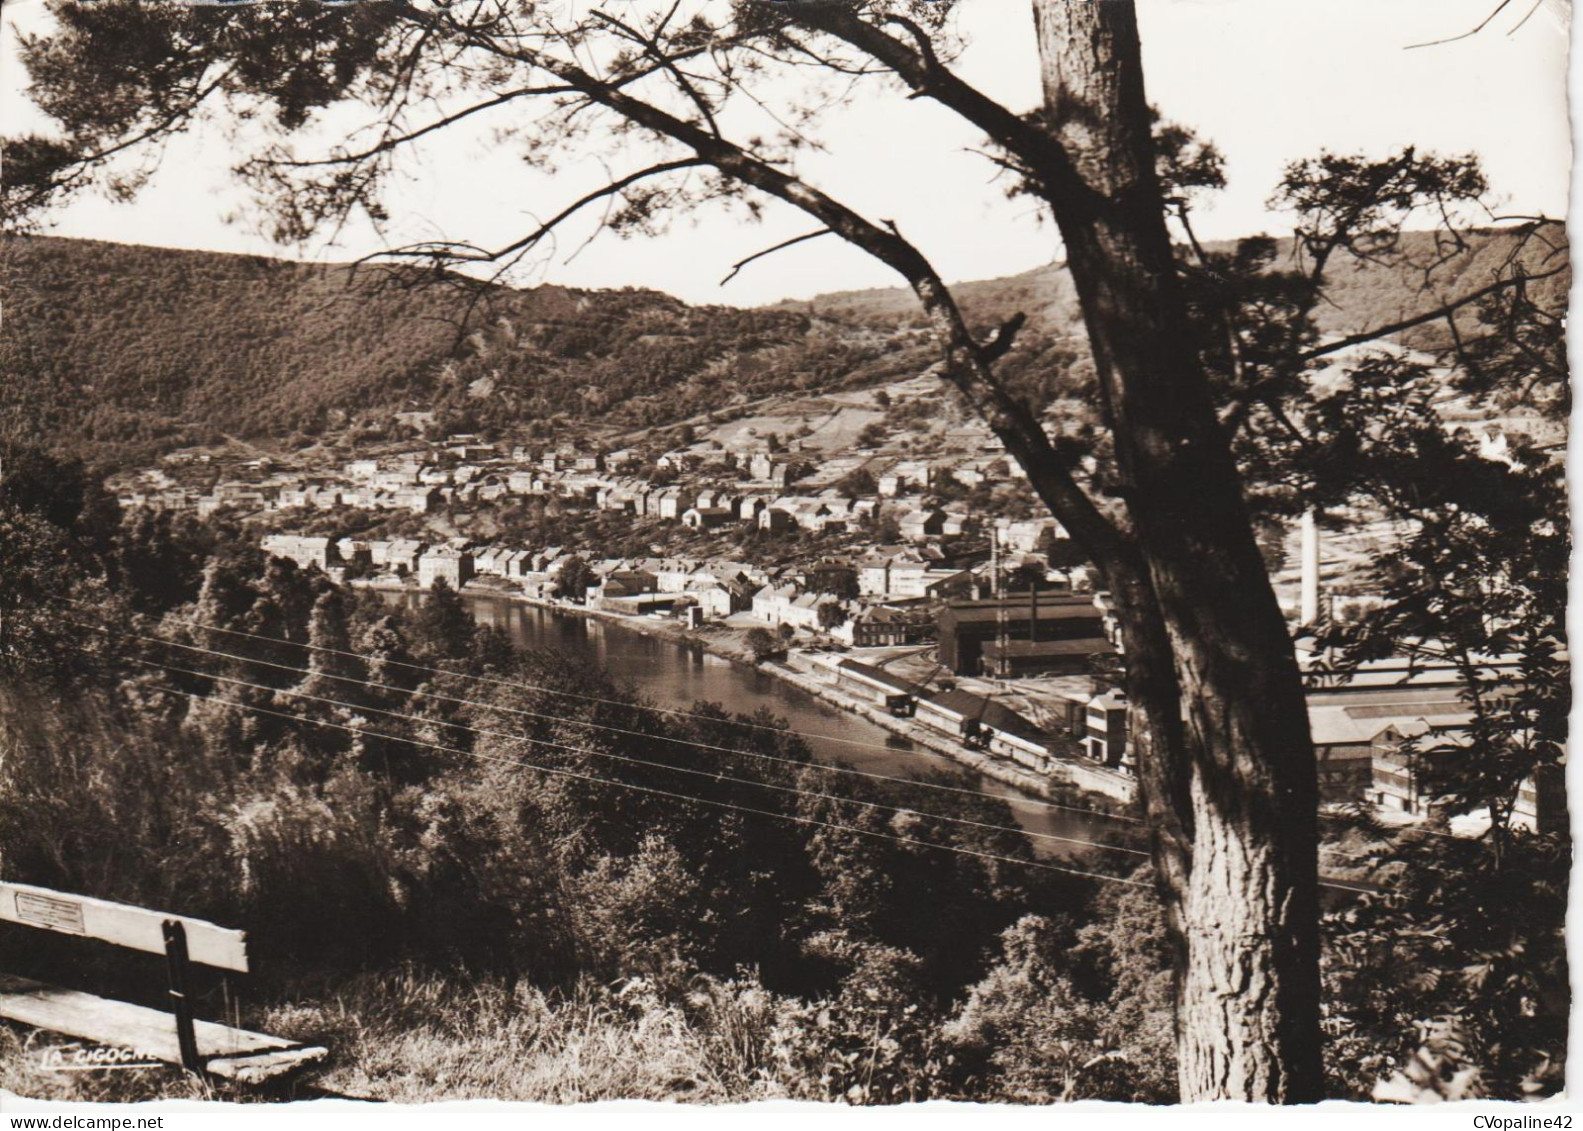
874	563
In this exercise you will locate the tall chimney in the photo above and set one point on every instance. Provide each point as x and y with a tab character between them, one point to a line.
994	562
1310	584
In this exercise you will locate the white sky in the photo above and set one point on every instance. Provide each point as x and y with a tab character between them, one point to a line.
1267	80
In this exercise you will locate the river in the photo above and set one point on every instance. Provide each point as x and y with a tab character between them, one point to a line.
671	674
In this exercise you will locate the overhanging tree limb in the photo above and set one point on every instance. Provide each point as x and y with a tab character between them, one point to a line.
736	268
923	72
392	142
172	122
650	44
965	367
467	253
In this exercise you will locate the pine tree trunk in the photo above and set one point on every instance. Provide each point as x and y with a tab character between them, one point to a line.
1248	1014
1159	744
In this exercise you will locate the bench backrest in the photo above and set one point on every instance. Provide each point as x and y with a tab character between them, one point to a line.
121	924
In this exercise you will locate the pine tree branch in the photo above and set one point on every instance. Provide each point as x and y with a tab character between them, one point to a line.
459	252
963	363
388	143
736	268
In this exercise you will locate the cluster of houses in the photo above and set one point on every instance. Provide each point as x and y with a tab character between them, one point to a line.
886	595
1375	731
637	585
698	487
787	595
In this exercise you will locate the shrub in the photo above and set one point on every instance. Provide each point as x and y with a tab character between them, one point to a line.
873	1042
761	643
1039	1039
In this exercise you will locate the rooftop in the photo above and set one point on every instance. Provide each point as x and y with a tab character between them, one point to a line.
881	676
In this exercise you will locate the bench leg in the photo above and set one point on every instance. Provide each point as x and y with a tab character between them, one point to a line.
180	1004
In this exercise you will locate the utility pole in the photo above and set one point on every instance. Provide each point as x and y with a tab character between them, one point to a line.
1002	631
1310	569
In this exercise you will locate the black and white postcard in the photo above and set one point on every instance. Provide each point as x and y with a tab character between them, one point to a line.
845	552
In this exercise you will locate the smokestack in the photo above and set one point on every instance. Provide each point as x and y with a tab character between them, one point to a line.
1310	584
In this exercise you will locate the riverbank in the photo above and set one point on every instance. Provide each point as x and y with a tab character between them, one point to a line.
1116	799
1093	787
715	639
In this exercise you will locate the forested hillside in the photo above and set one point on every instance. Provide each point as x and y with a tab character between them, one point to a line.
1361	294
114	351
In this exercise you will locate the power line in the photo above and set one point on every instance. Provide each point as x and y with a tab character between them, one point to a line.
712	775
657	792
1042	802
571	695
690	797
511	683
913	782
652	790
619	730
629	705
1337	886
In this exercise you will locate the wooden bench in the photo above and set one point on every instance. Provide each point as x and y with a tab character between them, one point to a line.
176	1037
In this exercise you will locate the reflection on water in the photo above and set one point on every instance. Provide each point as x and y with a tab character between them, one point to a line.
673	675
